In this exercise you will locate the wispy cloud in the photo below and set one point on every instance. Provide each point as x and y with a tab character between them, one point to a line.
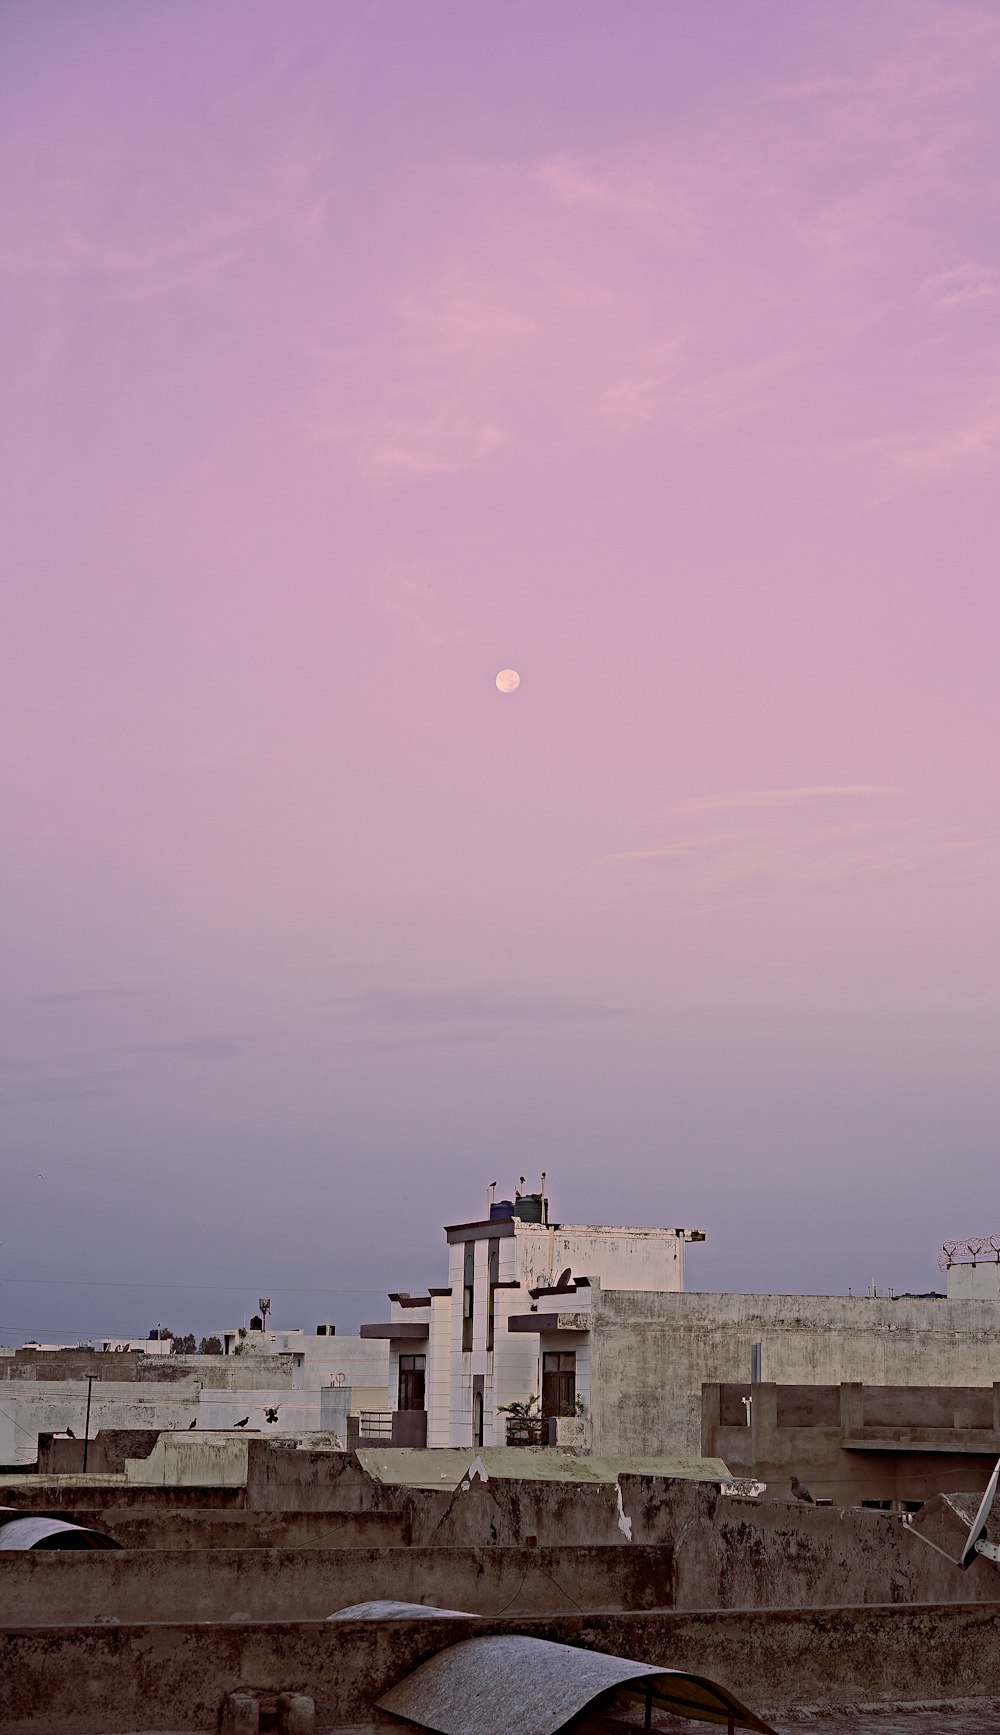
416	603
768	798
439	1014
964	437
442	445
83	996
814	837
197	1048
966	285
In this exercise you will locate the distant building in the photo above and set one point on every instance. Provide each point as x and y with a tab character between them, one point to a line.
856	1444
594	1325
457	1357
283	1382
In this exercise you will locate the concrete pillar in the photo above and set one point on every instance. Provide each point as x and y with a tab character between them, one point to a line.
764	1450
852	1409
296	1714
240	1714
711	1402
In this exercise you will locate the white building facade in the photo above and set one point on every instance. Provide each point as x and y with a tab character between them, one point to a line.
460	1354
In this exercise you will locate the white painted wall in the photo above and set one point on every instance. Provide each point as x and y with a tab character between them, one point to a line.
978	1282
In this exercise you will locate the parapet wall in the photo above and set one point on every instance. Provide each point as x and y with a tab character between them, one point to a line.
313	1582
176	1677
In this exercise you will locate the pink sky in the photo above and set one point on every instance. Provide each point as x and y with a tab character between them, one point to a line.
355	352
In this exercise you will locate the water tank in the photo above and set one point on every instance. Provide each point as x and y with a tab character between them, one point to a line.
256	1324
530	1207
502	1211
326	1331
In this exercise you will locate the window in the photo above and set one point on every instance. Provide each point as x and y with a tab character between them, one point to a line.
468	1293
477	1419
412	1373
558	1383
492	1278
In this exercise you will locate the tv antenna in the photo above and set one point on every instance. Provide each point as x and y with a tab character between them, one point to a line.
264	1308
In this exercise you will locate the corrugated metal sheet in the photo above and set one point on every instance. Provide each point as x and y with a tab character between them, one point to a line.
445	1466
514	1685
51	1533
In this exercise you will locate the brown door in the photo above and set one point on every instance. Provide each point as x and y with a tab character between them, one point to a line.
558	1383
412	1370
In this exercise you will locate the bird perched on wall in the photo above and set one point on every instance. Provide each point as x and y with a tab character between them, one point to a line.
801	1492
243	1423
193	1424
70	1434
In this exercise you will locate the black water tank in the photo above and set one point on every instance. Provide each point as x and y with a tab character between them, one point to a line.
530	1207
502	1211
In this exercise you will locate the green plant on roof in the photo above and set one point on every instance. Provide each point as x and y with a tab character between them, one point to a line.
522	1409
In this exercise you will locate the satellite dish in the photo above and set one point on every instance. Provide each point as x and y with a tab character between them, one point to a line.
973	1542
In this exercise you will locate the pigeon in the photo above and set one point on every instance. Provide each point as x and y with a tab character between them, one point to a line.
70	1434
801	1492
193	1424
270	1415
243	1423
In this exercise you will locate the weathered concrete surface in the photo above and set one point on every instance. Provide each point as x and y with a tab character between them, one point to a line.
854	1442
651	1353
946	1522
207	1530
271	1584
106	1452
191	1460
101	1680
64	1495
742	1553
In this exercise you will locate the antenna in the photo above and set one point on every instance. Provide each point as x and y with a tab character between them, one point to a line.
264	1308
974	1543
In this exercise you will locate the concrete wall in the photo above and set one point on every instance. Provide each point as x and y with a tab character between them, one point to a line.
188	1460
978	1282
651	1353
197	1529
742	1553
851	1443
271	1584
692	1549
103	1680
106	1453
48	1393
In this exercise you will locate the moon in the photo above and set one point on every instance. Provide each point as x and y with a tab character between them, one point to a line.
508	681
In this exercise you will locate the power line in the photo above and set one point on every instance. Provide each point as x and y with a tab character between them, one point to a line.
318	1288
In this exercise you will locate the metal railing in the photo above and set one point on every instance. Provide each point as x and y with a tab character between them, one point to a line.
527	1431
375	1425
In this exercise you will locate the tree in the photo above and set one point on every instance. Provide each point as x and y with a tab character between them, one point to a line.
210	1346
185	1345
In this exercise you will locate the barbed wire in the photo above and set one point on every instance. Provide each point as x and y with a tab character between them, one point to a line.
974	1250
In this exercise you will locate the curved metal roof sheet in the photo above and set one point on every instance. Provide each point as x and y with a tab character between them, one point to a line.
386	1610
515	1685
51	1533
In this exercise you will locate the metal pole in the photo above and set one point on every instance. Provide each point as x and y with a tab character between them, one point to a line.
86	1425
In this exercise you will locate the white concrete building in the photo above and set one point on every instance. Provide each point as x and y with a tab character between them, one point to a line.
457	1357
973	1268
281	1382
